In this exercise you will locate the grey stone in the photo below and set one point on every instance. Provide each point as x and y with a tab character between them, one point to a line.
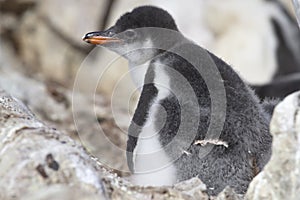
26	142
73	18
280	178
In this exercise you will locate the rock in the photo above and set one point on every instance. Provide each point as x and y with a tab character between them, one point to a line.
233	25
16	6
83	117
72	18
49	37
35	156
59	192
280	178
290	7
193	187
228	194
43	103
7	23
42	51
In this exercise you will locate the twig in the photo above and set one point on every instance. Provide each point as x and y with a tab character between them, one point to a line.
211	141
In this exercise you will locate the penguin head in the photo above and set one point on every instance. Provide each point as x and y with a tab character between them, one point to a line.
132	36
146	16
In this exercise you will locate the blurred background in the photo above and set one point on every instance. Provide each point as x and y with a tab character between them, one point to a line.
42	41
45	36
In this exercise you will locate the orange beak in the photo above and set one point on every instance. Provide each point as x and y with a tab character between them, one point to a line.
97	39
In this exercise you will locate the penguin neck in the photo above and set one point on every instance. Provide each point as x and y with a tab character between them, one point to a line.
138	72
139	67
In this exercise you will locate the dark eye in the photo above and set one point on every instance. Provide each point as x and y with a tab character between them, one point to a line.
130	34
110	33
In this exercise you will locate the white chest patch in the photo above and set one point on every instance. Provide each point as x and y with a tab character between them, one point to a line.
138	74
152	165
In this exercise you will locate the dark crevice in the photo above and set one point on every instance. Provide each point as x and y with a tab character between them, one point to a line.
16	7
297	113
9	36
105	17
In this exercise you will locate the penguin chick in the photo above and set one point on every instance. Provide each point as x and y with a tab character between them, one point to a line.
177	107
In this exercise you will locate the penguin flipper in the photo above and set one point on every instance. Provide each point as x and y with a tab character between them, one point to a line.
149	92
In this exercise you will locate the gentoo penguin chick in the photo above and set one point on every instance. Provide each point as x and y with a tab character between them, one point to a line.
179	130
